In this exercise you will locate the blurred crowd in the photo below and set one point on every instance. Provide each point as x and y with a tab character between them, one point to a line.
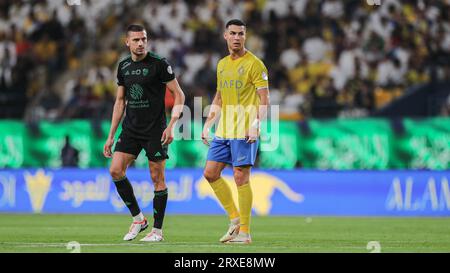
326	58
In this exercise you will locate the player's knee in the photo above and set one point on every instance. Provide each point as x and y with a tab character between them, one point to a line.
211	176
240	177
116	173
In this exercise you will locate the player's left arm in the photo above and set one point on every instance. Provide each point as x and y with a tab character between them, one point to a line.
177	110
264	101
260	80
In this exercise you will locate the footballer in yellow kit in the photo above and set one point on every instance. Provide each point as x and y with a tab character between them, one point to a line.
238	81
241	102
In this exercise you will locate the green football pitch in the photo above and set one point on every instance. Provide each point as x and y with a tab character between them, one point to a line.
192	234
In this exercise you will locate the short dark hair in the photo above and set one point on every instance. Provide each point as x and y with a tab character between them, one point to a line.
235	22
135	28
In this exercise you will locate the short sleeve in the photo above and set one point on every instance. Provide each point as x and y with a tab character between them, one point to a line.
120	81
166	73
260	75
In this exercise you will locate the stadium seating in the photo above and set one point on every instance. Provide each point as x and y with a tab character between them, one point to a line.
326	58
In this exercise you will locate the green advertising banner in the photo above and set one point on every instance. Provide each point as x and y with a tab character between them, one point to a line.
317	144
284	154
347	144
12	144
423	144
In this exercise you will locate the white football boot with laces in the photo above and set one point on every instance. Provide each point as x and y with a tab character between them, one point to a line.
135	228
232	232
241	238
154	236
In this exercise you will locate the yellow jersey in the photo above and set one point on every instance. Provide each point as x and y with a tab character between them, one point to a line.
238	81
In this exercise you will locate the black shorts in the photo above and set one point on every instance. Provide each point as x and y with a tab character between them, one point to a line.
154	150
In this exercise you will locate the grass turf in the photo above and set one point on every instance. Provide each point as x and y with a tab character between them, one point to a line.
188	233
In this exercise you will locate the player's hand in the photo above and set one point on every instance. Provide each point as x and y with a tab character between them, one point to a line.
167	136
252	135
107	148
205	136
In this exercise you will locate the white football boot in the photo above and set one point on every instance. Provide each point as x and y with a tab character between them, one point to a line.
232	232
135	228
241	238
154	236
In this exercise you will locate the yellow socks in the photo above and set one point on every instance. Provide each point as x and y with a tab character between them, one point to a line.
245	197
245	206
223	193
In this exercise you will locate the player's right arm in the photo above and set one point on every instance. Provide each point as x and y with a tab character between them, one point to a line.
214	113
119	108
